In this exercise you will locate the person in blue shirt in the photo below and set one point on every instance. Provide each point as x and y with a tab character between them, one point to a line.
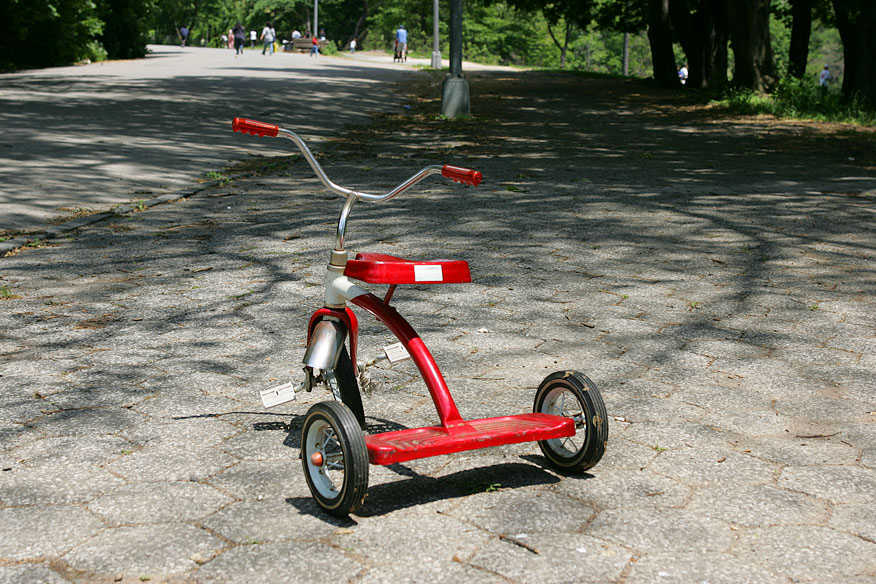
401	42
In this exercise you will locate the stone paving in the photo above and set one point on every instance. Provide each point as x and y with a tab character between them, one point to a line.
718	289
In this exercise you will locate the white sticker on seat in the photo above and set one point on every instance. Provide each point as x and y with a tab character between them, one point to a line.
428	274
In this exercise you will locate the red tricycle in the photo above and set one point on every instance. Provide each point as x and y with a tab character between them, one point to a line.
568	420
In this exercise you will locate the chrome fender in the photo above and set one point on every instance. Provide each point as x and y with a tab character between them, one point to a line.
326	341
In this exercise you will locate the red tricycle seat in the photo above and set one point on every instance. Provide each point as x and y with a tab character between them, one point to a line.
378	268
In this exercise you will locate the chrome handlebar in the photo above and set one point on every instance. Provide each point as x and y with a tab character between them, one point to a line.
345	192
457	174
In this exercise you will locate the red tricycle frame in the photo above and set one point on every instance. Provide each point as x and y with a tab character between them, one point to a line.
568	419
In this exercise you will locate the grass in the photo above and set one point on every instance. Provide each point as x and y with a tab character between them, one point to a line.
213	175
800	99
6	293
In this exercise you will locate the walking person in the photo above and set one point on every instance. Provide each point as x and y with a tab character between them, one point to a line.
239	38
268	35
824	80
401	41
314	47
183	35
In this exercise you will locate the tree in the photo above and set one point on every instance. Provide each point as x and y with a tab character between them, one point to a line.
123	35
703	36
566	13
755	67
801	30
856	21
660	37
41	33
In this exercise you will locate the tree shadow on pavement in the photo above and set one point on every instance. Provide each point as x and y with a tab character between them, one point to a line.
94	141
656	252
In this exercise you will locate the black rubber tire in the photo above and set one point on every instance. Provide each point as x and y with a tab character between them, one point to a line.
578	453
349	387
331	429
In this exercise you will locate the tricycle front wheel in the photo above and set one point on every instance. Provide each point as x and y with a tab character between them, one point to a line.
334	457
572	395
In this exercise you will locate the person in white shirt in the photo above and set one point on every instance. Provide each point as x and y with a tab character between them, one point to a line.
824	81
824	78
268	35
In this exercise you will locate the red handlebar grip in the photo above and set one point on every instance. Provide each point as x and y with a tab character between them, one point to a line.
253	127
463	175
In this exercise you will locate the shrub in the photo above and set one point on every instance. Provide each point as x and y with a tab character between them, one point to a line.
330	48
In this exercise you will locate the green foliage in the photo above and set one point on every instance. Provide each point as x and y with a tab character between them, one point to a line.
123	35
416	16
631	17
40	33
802	99
512	32
825	46
602	52
501	34
780	39
329	49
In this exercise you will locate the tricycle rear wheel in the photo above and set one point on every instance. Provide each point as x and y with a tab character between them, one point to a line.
571	394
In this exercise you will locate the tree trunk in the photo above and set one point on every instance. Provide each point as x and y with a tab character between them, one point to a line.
715	28
564	47
856	21
703	37
750	40
660	39
801	29
359	24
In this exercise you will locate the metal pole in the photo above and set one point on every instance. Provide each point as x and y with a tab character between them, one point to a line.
626	41
454	91
436	51
455	39
316	18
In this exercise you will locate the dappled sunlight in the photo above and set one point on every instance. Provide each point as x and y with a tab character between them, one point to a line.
681	271
159	131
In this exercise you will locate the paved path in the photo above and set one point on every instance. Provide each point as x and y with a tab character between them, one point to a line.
110	133
726	312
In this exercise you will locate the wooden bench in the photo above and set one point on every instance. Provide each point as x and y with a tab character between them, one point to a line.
302	44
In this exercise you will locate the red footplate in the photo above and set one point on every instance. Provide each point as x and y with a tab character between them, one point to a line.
392	447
